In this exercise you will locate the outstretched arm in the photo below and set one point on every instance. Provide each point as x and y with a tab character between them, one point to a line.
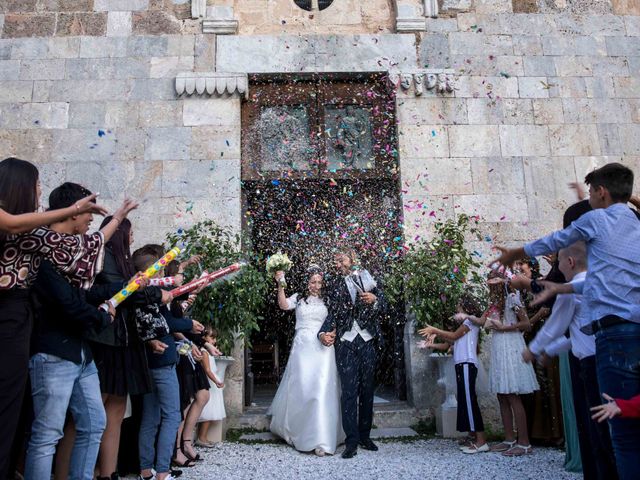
449	337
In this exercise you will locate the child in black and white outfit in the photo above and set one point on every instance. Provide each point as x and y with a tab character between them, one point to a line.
465	340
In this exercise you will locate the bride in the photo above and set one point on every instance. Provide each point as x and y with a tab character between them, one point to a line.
306	408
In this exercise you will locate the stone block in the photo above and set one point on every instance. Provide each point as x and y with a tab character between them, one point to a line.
625	7
183	45
600	87
476	65
632	24
64	47
630	139
52	69
548	195
610	66
596	110
574	139
524	140
493	6
215	111
147	46
160	114
483	111
609	139
81	24
526	44
131	144
45	115
152	89
86	114
10	115
634	107
195	179
205	52
469	43
434	51
1	22
573	66
162	67
589	25
489	87
103	47
474	140
493	207
120	5
533	87
525	6
621	46
594	46
634	66
567	87
42	90
121	114
119	24
9	69
15	91
627	87
548	111
67	5
497	174
558	44
18	25
88	90
438	178
84	145
34	145
130	67
15	6
5	49
22	48
168	143
215	143
539	66
432	111
423	141
155	23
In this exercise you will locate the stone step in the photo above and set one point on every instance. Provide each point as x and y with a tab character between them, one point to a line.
385	415
402	432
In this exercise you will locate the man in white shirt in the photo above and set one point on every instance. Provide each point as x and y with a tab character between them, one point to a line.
354	303
567	315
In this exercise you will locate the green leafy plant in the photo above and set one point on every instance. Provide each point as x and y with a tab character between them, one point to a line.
233	306
433	274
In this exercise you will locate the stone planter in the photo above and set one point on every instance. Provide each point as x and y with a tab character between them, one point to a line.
446	413
216	430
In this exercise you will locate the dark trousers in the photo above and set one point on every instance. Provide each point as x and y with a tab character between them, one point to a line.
618	366
600	439
356	362
15	330
469	416
589	468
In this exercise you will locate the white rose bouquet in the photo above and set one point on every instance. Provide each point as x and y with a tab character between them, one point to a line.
279	262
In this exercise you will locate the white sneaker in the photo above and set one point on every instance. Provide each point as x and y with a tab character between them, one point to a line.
475	449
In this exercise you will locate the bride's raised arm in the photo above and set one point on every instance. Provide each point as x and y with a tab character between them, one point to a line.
282	298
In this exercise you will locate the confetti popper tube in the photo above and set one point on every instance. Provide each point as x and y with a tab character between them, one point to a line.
205	280
122	295
162	282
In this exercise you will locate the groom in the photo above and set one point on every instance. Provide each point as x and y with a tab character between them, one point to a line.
354	302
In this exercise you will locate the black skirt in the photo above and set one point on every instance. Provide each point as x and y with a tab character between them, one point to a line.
122	370
192	379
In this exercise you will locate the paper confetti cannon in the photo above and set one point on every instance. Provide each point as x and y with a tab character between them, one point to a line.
206	279
122	295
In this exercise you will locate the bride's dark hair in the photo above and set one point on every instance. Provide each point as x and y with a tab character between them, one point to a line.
312	270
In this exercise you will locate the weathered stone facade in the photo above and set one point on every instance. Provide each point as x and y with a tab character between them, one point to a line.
89	92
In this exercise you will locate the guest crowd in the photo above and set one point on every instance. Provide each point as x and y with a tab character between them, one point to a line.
82	359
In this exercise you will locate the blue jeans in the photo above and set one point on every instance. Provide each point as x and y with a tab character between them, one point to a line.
618	364
58	385
161	417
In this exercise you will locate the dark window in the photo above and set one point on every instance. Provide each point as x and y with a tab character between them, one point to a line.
308	4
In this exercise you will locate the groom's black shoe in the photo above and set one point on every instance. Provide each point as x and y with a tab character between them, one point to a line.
350	452
368	445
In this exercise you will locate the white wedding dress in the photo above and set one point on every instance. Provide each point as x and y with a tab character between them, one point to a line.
306	408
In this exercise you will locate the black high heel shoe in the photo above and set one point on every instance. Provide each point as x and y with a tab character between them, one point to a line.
197	458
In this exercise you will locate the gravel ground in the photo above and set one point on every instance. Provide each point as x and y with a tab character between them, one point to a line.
421	459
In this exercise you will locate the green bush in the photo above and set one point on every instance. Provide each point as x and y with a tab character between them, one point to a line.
433	274
232	307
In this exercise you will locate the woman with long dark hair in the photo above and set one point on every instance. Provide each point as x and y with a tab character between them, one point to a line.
118	351
77	257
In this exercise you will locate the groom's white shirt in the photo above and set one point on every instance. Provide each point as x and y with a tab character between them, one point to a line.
351	335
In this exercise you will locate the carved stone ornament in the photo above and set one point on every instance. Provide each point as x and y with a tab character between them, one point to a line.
212	84
198	8
439	81
413	18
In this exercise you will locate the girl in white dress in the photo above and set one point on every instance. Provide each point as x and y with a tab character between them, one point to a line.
214	409
509	376
306	408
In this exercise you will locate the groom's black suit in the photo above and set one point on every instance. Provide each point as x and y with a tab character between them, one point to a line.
356	360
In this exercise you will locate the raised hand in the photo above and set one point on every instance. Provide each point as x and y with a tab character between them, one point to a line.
88	205
507	257
127	206
550	290
427	331
167	297
196	327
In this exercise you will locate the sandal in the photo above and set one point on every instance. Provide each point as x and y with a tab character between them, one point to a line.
476	449
188	463
197	458
502	446
518	451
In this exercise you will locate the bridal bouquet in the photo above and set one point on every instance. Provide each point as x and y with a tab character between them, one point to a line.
279	262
